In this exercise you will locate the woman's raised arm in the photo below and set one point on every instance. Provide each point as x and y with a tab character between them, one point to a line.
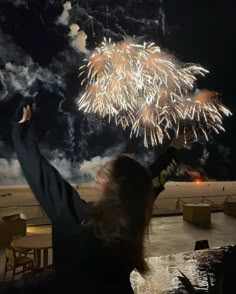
165	165
57	197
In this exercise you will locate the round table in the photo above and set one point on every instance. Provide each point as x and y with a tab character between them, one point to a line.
36	242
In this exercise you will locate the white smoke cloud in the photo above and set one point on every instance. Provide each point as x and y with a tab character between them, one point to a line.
185	170
91	167
88	128
64	167
114	150
74	28
63	19
24	79
225	152
20	74
18	3
78	38
10	172
10	52
57	158
147	157
205	156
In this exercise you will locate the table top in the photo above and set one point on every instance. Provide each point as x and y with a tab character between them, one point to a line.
37	241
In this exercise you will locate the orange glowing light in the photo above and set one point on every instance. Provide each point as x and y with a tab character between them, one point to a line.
198	182
204	96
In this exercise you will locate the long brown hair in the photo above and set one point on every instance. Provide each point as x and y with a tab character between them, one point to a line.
121	217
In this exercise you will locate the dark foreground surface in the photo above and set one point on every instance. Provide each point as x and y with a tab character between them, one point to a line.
201	271
205	271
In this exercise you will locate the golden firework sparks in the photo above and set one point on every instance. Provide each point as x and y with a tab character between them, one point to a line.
147	89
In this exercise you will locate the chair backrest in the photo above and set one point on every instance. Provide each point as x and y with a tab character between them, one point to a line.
13	217
9	229
15	236
11	256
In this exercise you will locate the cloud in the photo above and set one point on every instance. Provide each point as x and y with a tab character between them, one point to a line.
187	171
27	79
205	156
10	52
90	167
63	19
79	38
19	74
63	165
10	172
18	3
224	152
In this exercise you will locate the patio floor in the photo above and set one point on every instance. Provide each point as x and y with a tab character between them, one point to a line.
170	235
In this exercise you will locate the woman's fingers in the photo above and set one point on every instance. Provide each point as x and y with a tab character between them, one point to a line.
182	140
26	114
189	138
23	116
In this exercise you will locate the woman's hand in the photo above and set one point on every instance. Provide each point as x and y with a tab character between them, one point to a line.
181	141
26	114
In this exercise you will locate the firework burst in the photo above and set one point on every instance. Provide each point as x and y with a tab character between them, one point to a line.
149	90
204	111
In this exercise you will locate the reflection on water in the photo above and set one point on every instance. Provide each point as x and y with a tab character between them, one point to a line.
202	268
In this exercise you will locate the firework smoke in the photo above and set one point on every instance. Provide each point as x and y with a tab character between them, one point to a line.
63	19
78	38
140	86
91	167
25	79
10	172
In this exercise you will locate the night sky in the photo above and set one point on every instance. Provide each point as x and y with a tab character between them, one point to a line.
39	65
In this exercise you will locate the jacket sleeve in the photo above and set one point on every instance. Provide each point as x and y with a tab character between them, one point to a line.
57	197
162	168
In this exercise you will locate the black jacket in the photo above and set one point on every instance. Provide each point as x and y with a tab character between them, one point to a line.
81	263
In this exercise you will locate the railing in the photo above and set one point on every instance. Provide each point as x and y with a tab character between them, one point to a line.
178	202
204	199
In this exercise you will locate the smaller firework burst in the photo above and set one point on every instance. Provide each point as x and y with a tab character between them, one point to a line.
204	111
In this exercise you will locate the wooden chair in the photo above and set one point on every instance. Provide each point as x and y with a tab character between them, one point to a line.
11	225
14	262
22	252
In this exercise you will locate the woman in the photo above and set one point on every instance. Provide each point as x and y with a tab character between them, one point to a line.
95	247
